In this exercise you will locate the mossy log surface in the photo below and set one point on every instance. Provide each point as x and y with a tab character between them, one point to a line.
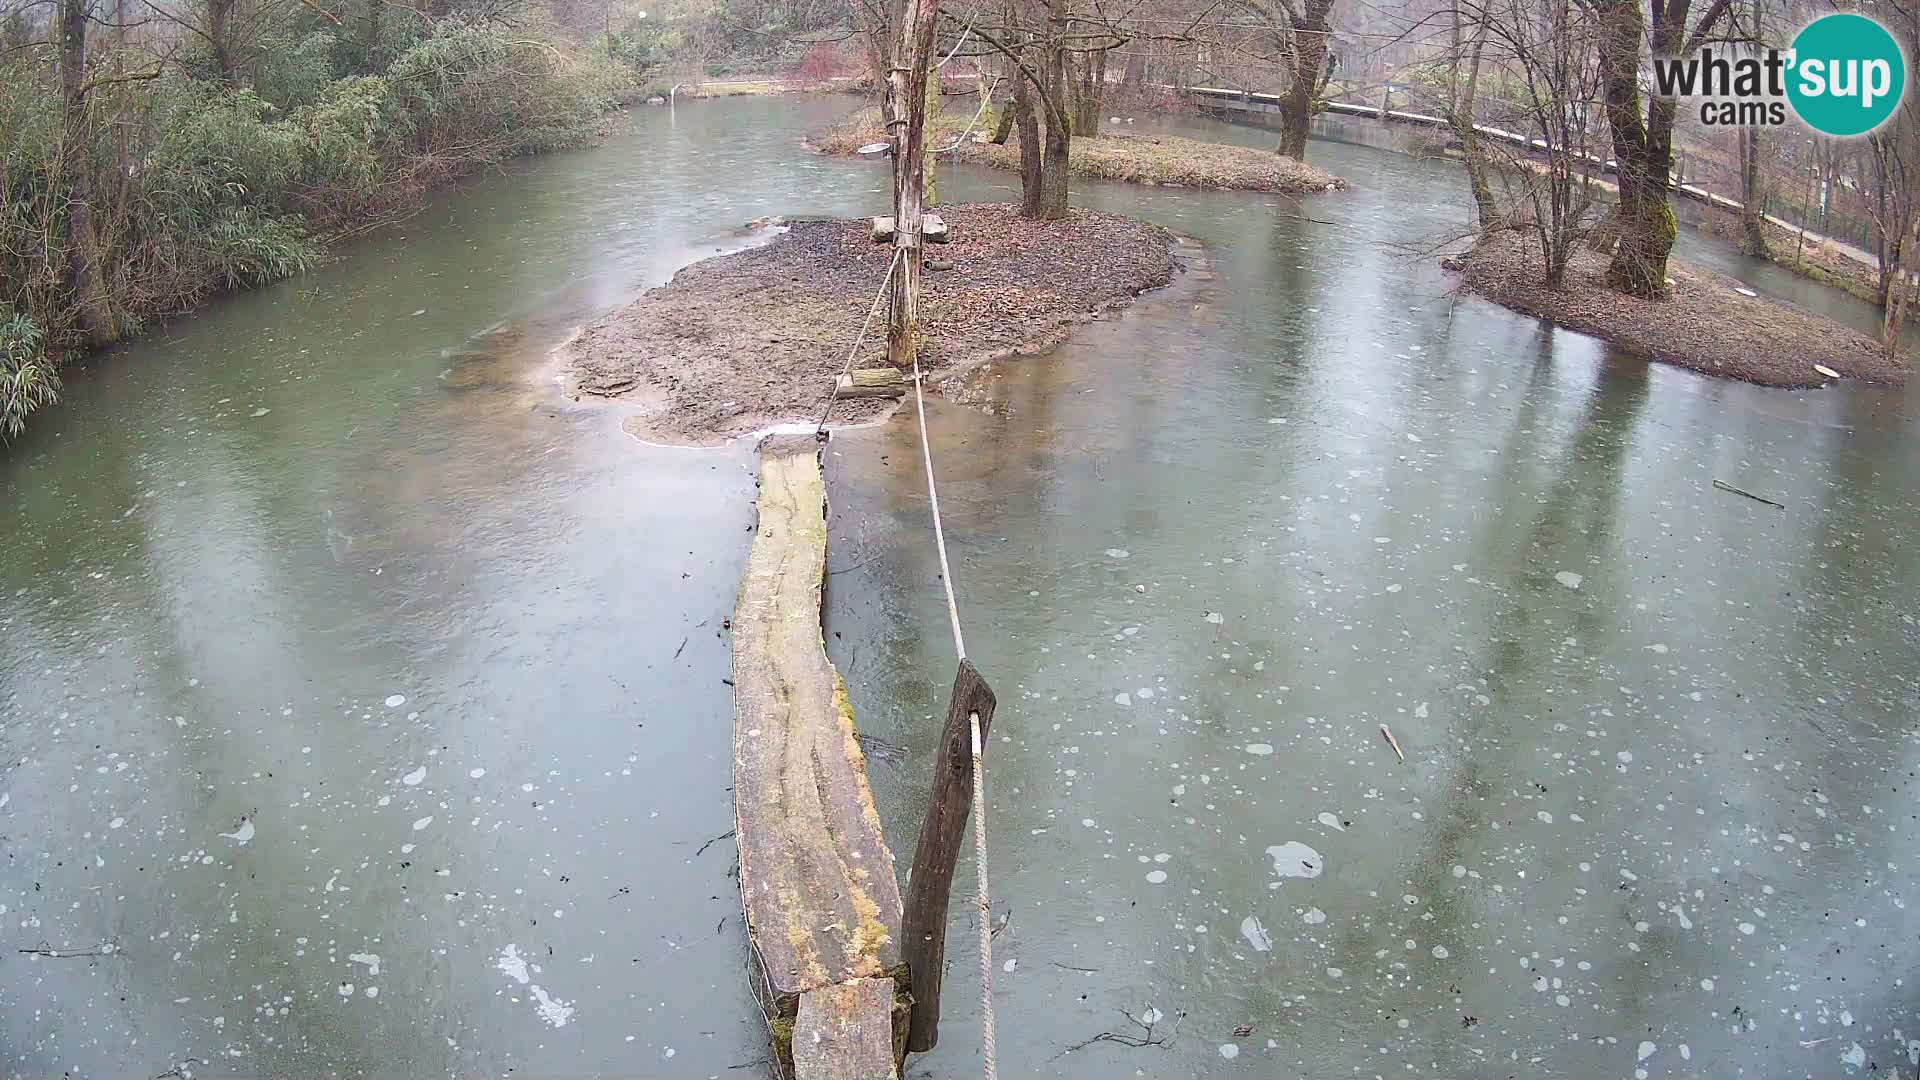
845	1032
816	877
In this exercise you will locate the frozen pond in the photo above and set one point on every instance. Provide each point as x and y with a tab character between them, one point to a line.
367	701
1657	808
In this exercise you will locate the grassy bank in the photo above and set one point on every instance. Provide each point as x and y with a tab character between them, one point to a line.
201	175
1810	259
1133	159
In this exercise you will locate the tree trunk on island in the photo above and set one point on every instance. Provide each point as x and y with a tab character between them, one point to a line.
1030	151
1642	223
1643	142
1058	129
1309	50
907	89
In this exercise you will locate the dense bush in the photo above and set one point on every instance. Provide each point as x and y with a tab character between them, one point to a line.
198	183
27	379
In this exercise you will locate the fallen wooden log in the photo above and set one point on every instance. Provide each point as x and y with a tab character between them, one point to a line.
816	877
872	382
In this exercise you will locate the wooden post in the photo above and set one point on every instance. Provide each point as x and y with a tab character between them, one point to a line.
923	924
907	106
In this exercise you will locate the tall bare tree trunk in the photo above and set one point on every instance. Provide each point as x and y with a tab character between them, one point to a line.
1058	131
876	37
907	86
1899	290
1643	148
1030	151
1309	51
1089	93
85	276
375	11
219	38
1753	198
1461	118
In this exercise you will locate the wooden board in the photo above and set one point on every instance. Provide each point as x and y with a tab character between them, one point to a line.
872	382
816	878
844	1032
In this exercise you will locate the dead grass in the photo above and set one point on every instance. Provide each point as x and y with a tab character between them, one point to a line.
1707	325
1132	159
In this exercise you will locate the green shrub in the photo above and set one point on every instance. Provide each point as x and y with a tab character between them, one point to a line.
27	378
198	186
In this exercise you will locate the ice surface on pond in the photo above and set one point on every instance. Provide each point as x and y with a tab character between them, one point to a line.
414	777
552	1010
511	964
1260	749
1295	859
1256	934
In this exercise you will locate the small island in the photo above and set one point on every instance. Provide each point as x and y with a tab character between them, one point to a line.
744	341
1709	322
1164	160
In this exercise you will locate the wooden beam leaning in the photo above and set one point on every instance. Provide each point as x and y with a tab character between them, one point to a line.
942	837
816	877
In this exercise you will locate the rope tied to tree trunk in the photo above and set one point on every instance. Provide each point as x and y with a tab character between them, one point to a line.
833	394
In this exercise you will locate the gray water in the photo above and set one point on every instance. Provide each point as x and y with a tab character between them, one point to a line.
1297	495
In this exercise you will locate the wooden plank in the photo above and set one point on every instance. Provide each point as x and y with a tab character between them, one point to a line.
942	835
871	382
844	1032
816	878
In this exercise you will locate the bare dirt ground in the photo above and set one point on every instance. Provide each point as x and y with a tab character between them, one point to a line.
1707	325
740	342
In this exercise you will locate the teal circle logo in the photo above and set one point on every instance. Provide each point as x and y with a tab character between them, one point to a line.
1847	76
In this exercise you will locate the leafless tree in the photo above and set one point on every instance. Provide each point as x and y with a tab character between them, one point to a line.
1642	230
